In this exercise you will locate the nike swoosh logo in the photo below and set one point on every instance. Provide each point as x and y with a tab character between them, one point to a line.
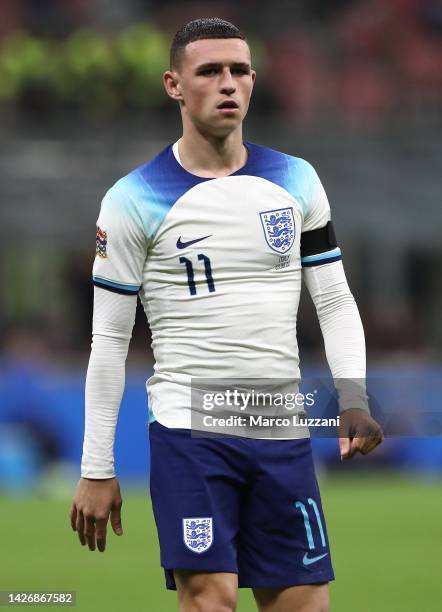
309	560
183	245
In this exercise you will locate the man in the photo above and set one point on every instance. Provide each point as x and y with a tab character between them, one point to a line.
212	235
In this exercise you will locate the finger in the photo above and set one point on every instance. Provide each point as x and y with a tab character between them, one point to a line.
353	448
115	519
372	442
80	528
74	517
344	447
356	446
369	447
101	534
89	531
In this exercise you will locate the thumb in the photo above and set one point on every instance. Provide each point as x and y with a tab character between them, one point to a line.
115	520
344	447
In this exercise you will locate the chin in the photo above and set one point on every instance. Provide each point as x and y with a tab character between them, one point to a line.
218	128
226	129
231	121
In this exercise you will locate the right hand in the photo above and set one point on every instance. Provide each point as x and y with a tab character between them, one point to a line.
94	501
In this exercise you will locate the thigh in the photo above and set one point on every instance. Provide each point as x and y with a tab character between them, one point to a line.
283	538
195	486
306	598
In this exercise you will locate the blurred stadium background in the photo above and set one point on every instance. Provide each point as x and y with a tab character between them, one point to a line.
355	87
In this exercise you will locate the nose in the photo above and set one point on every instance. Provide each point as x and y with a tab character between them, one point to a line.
227	82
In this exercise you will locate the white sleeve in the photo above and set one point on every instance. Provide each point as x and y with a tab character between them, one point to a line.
113	320
122	242
342	331
318	207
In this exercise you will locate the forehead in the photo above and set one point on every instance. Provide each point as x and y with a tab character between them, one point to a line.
216	50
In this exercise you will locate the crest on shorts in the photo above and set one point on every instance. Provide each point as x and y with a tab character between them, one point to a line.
198	533
101	243
279	228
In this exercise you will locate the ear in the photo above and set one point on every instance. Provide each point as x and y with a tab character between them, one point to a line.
172	84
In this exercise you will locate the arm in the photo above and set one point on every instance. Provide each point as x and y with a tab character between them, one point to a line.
98	493
113	320
120	256
341	326
340	323
344	344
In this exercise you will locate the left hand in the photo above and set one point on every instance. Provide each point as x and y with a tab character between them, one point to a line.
358	432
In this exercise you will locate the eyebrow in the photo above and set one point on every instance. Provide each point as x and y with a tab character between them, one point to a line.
243	65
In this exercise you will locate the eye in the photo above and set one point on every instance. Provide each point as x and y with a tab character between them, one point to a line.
240	71
208	71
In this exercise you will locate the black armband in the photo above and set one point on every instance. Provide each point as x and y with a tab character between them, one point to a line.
319	246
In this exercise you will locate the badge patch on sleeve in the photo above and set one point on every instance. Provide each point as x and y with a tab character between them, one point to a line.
198	533
101	243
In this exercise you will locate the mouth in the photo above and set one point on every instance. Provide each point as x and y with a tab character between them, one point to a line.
228	105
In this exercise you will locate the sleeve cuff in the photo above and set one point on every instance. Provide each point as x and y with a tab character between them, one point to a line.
321	258
122	288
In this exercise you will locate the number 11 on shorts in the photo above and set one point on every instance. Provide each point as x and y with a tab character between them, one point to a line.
308	528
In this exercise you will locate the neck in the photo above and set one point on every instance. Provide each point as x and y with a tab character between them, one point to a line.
209	156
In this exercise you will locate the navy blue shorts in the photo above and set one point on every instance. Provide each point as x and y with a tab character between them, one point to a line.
251	507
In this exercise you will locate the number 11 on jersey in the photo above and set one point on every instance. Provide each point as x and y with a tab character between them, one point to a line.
191	275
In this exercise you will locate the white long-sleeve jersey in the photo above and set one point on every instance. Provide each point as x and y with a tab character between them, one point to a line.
217	265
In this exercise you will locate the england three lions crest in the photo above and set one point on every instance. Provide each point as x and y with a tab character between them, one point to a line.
279	228
198	533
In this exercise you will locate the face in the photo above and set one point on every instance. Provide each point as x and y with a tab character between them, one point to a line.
214	84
